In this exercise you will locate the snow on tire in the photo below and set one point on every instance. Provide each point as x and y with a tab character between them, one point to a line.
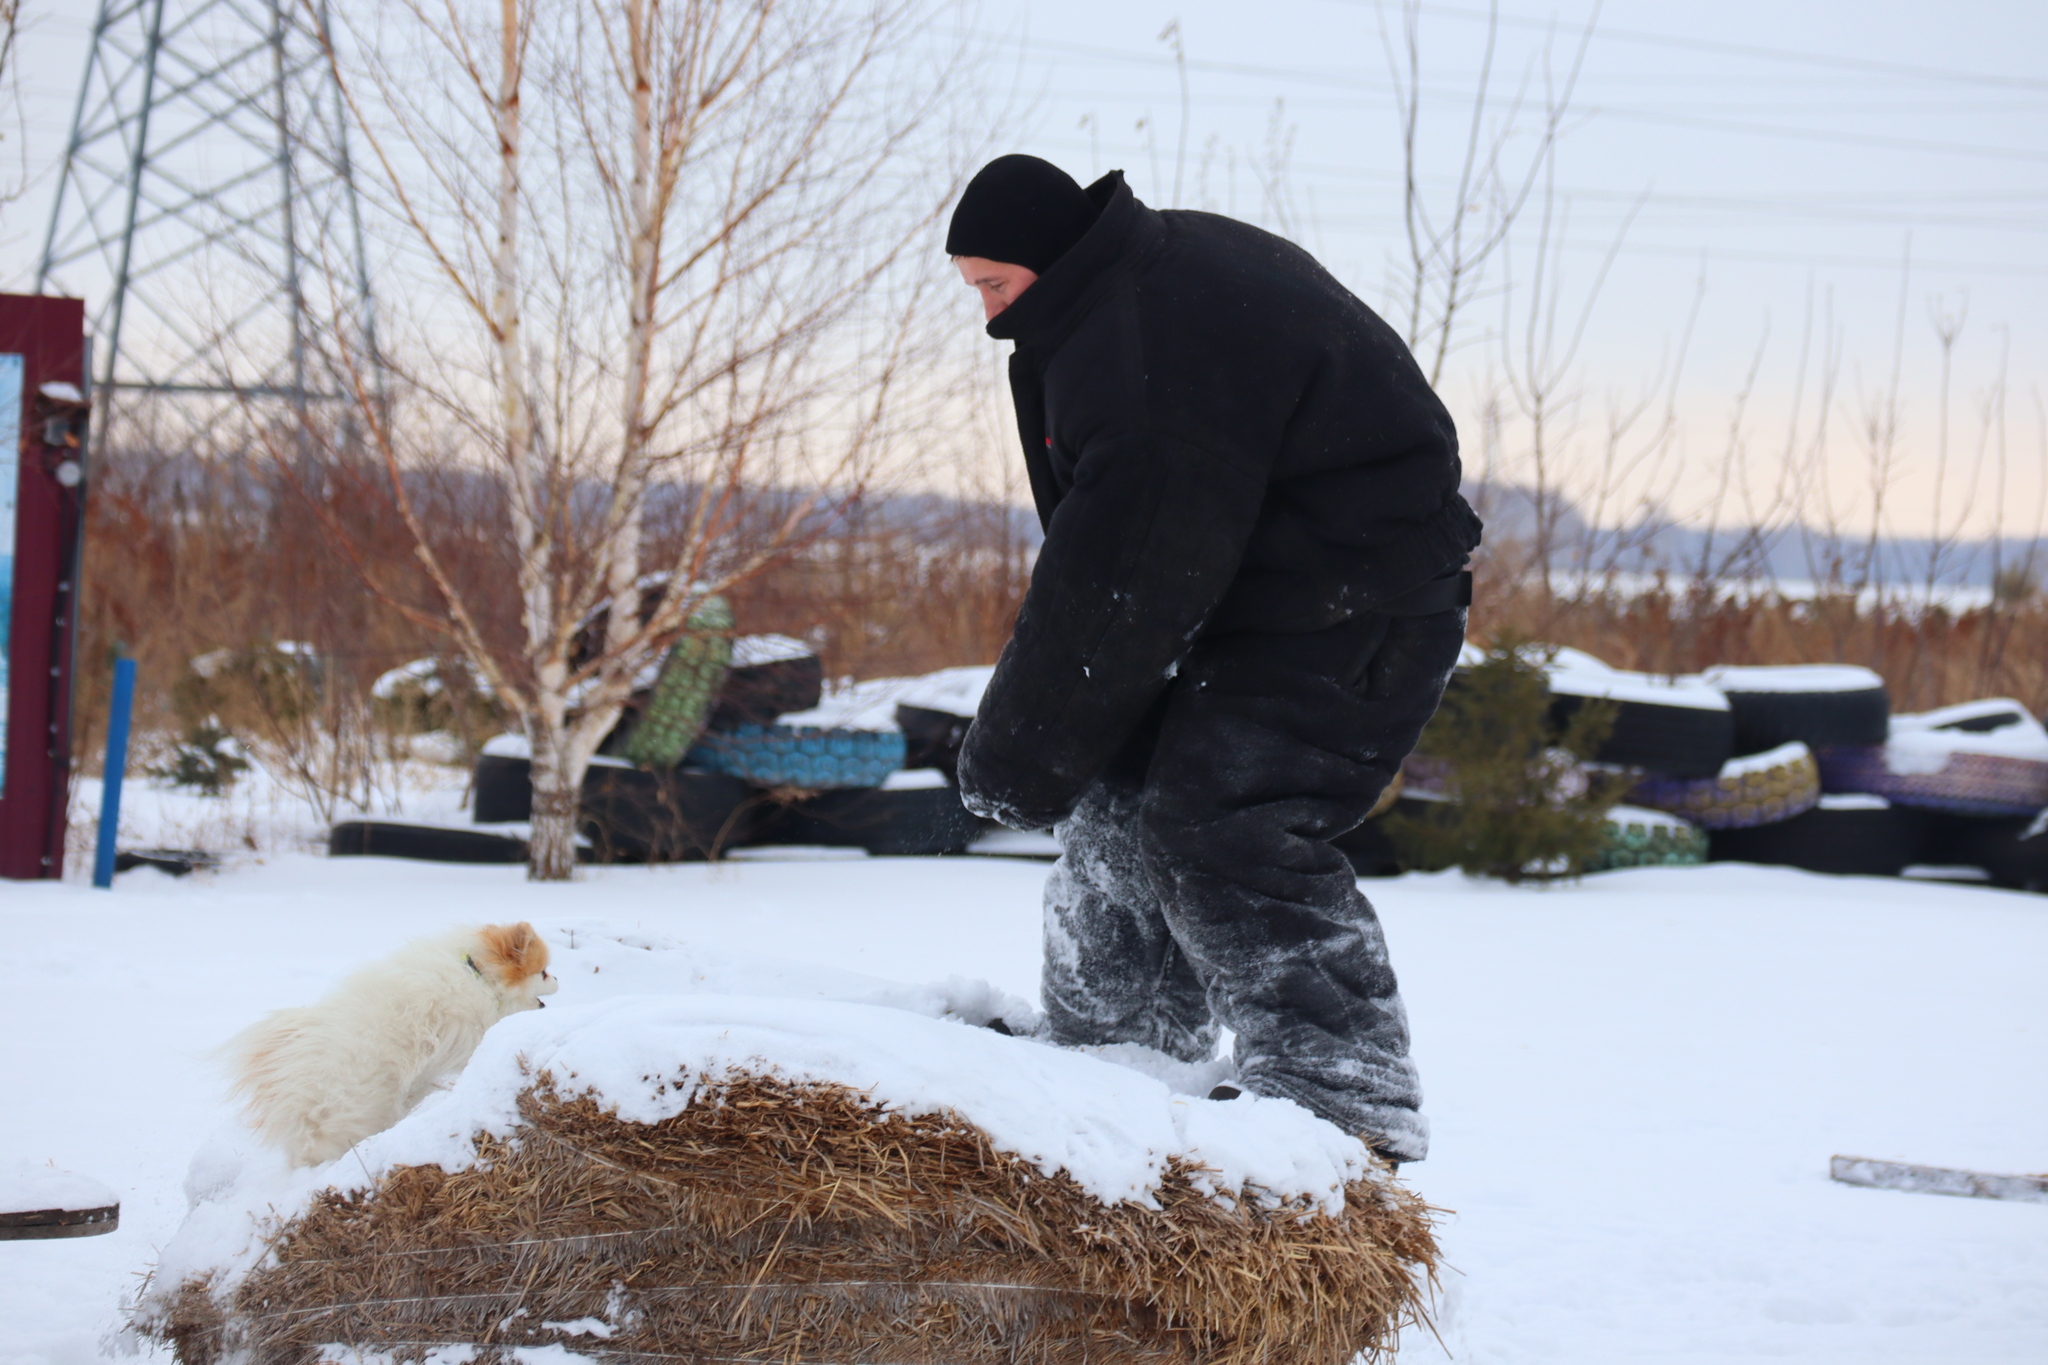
1757	789
1847	835
1823	706
1639	837
1679	725
1979	758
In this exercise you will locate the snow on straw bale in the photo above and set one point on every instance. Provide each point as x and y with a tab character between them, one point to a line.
797	1097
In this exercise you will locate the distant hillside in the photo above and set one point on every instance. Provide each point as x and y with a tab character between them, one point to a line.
1787	554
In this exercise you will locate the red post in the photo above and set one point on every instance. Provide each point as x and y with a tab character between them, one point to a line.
49	336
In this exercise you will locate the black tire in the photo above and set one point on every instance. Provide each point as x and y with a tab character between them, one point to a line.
921	821
501	790
179	862
932	739
1774	706
755	694
1682	741
1980	717
1853	839
2000	845
387	839
1370	850
631	815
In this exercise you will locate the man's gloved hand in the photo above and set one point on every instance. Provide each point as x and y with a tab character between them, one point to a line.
993	790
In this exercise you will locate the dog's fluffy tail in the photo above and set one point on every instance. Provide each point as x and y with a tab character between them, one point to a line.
269	1063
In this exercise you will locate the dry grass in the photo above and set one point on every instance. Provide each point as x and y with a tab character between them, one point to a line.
1928	657
183	558
778	1222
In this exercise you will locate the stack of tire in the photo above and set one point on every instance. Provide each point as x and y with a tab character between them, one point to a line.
1820	709
1678	729
914	809
1679	732
766	760
1971	779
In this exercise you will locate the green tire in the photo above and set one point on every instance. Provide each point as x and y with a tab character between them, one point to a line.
685	689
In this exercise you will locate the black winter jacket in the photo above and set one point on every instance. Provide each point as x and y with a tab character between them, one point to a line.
1220	438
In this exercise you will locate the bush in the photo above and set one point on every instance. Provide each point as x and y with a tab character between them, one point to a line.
207	759
1522	806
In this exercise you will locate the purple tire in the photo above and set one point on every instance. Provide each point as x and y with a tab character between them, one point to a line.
1968	784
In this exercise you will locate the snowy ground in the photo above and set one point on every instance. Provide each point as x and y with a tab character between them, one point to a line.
1636	1082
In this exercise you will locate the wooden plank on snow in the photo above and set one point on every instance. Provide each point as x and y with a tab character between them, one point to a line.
1898	1175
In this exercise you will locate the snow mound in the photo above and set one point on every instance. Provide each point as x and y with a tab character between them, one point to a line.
32	1187
1793	678
956	691
1792	751
1107	1126
1575	673
871	705
751	651
1643	815
1923	742
914	779
508	746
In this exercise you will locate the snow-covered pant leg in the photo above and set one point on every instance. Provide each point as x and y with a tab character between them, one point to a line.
1271	746
1113	973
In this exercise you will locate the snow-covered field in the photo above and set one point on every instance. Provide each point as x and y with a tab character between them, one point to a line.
1636	1082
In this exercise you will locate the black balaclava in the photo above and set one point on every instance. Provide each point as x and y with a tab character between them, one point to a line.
1021	211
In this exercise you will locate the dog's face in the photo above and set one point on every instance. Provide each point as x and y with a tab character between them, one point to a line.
514	960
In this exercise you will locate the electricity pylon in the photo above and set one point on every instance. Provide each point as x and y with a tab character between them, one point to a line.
208	208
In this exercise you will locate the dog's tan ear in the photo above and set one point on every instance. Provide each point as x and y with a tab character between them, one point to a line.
514	951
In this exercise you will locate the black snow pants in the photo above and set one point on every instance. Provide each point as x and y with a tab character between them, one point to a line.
1197	885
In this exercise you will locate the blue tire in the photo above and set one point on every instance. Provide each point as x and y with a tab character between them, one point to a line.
808	757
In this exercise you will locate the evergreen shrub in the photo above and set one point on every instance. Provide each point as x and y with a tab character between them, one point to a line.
1521	804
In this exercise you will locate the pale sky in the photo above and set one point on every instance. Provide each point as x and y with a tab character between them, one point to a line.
1794	150
1788	149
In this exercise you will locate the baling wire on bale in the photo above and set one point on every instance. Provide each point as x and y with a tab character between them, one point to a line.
801	1223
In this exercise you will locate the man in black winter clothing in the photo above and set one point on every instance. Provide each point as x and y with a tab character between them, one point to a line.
1246	606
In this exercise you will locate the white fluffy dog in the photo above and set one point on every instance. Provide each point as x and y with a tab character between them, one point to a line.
319	1079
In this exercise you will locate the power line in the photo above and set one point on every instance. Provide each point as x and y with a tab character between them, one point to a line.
1621	113
1849	206
1137	97
1816	134
1775	54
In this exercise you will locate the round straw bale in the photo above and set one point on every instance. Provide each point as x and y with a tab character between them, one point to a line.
803	1222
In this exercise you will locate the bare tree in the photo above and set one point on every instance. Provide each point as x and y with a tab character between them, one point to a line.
652	250
1540	352
10	99
1450	245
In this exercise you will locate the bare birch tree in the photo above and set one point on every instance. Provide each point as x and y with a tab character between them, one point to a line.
652	252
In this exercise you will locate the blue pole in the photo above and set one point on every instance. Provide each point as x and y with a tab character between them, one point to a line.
117	763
